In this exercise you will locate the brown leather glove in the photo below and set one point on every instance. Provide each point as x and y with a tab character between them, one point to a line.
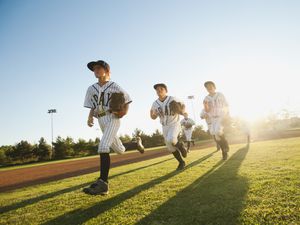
117	104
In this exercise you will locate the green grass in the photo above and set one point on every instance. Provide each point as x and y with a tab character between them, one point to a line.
256	186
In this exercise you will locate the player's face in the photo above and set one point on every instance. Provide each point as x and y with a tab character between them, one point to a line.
100	72
211	89
161	92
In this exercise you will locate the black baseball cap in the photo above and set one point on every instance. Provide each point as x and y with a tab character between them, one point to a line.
101	63
209	83
160	85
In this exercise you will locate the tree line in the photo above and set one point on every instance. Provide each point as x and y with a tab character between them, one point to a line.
25	152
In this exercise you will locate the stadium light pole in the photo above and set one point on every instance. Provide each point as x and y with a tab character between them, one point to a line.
51	111
192	97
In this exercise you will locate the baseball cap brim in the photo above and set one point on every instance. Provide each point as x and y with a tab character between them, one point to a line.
160	85
209	83
91	65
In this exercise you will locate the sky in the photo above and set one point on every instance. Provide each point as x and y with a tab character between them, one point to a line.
250	49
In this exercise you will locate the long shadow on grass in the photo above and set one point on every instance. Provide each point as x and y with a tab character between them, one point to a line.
215	198
79	216
66	190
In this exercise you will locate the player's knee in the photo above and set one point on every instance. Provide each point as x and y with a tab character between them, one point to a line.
103	148
120	150
171	140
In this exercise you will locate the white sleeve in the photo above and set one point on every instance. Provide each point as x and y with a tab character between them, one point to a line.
192	122
224	104
90	101
205	100
154	106
203	113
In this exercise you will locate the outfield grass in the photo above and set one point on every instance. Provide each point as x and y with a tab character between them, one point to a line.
259	185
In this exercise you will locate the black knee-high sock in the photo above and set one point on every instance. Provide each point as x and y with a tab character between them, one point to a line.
223	143
189	144
178	156
104	166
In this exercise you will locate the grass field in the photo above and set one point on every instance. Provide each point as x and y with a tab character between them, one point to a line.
259	185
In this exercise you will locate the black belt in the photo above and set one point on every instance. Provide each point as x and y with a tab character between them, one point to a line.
101	114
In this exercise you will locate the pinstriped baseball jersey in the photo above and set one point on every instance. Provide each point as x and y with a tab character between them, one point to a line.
98	97
185	122
217	105
95	92
163	109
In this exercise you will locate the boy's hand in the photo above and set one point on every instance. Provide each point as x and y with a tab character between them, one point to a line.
153	114
90	121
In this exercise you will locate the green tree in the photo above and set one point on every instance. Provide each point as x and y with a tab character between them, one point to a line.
4	159
43	150
200	134
157	138
125	139
63	148
81	147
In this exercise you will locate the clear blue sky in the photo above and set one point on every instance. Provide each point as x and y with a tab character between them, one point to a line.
250	49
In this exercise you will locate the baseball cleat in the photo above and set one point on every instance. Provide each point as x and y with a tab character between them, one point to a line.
98	188
140	146
224	154
181	166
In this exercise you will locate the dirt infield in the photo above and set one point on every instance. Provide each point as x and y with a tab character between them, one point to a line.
24	177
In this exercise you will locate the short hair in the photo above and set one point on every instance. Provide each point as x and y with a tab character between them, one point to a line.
209	83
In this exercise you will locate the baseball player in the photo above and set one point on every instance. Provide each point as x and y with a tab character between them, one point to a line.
187	127
170	123
216	111
98	99
205	116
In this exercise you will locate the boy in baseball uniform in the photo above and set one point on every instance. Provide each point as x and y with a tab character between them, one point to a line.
216	110
170	122
205	116
97	99
187	127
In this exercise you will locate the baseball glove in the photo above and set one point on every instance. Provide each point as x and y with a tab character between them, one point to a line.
188	126
176	107
117	104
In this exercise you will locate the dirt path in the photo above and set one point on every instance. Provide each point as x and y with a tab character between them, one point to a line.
24	177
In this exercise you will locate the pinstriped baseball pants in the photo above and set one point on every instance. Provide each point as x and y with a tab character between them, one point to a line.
109	126
170	133
188	134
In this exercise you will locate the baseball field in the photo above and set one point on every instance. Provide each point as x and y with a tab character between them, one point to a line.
259	184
